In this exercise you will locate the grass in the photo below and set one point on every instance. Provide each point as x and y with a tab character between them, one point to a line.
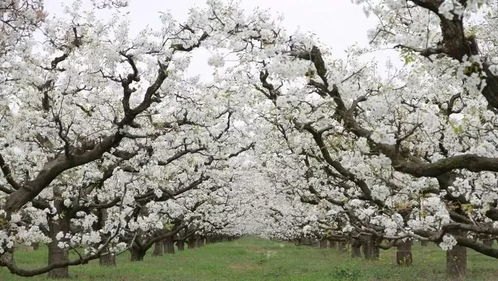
256	259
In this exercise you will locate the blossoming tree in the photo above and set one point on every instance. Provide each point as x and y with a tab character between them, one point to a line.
92	116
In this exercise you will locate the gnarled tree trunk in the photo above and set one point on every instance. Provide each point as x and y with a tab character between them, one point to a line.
8	257
331	243
199	242
180	244
324	243
137	253
342	246
169	245
60	223
191	243
56	254
316	243
107	259
456	263
404	253
370	249
488	242
158	249
355	248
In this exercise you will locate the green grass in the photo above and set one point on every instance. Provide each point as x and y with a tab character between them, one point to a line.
255	259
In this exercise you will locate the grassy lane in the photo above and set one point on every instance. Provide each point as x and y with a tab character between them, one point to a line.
255	259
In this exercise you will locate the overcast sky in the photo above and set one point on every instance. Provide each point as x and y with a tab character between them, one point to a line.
339	23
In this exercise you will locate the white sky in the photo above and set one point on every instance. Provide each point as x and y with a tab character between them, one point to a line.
338	23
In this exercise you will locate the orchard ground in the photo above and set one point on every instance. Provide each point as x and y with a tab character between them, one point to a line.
256	259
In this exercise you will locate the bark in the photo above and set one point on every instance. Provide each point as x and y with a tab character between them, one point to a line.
191	243
375	251
305	241
53	169
342	246
370	250
180	244
137	254
456	263
199	242
107	259
465	242
457	45
169	245
356	248
332	243
211	239
488	242
158	248
56	254
404	253
82	155
7	257
366	248
323	244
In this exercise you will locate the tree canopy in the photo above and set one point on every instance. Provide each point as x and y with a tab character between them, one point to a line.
107	145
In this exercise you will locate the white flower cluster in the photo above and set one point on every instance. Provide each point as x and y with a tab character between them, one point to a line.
216	60
451	8
448	242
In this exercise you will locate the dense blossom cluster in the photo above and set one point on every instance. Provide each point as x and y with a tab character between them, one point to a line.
410	153
107	145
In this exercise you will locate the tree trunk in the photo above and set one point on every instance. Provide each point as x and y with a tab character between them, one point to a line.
199	242
8	256
107	259
331	243
56	254
376	241
456	263
158	249
180	244
342	246
366	246
306	241
60	223
210	239
191	243
355	248
488	242
323	244
404	253
169	245
316	243
137	254
370	250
